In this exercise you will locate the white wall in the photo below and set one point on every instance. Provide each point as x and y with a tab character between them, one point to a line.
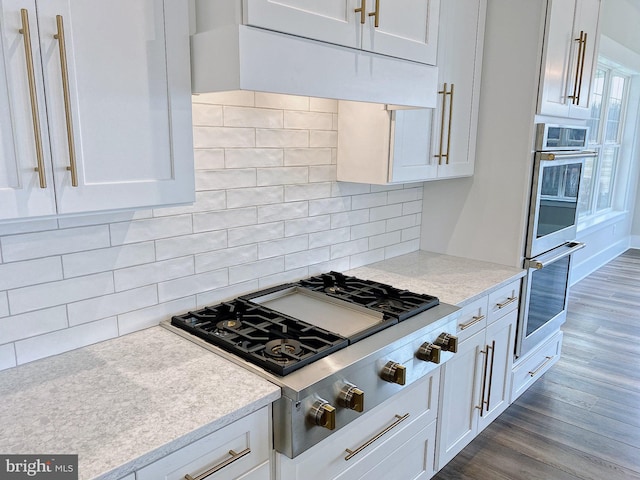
267	211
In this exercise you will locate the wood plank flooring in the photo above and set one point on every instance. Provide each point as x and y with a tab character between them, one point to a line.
581	420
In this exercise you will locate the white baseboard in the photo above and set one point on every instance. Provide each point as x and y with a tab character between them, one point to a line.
591	264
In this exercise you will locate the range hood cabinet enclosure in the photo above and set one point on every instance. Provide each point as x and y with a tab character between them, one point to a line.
226	55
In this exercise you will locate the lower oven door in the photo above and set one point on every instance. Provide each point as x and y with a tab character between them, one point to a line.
545	291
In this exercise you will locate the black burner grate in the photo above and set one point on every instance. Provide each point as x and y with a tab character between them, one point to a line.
400	304
277	342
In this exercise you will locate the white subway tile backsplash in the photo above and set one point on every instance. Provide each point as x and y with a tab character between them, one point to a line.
190	244
308	120
342	189
365	258
208	158
369	200
386	188
110	305
281	138
385	212
282	175
252	117
243	197
151	316
405	195
107	259
301	226
213	297
338	265
293	193
187	286
60	341
276	100
147	274
18	327
21	274
232	97
412	207
7	356
323	138
401	248
223	179
44	244
210	261
352	247
306	258
255	233
322	173
406	221
282	211
281	247
207	115
287	276
151	229
329	237
223	137
4	305
368	229
384	240
36	297
410	234
28	226
103	218
348	219
254	157
329	205
250	271
205	202
323	105
307	156
224	219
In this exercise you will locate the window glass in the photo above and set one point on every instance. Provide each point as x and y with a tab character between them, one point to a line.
606	178
596	105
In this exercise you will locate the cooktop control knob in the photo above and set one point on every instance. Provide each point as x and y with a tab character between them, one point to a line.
429	352
323	414
394	372
447	342
351	397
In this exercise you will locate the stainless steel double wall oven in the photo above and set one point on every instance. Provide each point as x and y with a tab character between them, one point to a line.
553	214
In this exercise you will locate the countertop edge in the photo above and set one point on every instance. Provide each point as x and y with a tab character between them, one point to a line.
492	289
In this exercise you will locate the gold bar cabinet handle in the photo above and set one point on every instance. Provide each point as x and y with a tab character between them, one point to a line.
533	373
439	155
472	322
574	97
584	54
363	11
216	468
450	122
508	301
67	101
28	53
398	421
493	355
376	15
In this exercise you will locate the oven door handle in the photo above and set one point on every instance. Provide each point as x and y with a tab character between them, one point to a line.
562	156
543	261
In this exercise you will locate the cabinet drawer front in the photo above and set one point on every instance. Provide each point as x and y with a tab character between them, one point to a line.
419	401
473	318
250	432
533	366
503	301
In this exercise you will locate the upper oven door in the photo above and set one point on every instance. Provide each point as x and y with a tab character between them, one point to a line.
554	200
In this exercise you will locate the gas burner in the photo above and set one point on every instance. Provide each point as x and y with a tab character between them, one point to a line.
225	327
334	289
282	348
389	304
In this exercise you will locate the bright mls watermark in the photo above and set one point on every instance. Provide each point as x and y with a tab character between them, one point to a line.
39	467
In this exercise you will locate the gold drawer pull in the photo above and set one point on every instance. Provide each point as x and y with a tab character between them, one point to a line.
67	99
353	453
533	373
508	301
376	15
362	10
472	322
234	456
35	116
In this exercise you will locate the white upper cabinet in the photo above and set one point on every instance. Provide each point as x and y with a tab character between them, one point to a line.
98	101
569	57
405	29
378	144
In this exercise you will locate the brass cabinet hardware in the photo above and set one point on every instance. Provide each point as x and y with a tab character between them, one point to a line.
216	468
472	322
582	53
508	301
485	352
493	355
67	101
35	115
353	453
533	373
445	92
376	15
363	11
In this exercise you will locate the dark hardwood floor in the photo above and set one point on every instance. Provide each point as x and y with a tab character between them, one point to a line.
581	420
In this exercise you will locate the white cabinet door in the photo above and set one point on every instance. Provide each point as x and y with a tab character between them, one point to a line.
569	56
410	137
455	120
23	123
332	21
118	116
405	29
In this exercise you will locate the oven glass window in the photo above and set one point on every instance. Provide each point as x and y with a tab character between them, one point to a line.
548	292
558	198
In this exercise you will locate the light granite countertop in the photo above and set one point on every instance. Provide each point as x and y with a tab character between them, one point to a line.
124	403
453	280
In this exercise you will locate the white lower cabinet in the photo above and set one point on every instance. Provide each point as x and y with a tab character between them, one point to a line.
395	440
532	366
240	450
476	385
